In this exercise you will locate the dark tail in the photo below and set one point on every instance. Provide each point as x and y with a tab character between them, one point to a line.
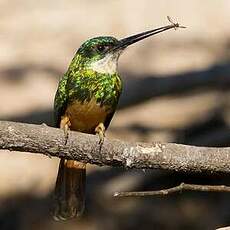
70	190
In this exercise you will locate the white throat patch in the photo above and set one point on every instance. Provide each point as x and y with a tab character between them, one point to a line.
108	64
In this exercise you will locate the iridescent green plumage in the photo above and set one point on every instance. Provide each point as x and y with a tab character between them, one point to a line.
82	83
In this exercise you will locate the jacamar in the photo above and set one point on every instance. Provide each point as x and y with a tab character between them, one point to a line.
85	101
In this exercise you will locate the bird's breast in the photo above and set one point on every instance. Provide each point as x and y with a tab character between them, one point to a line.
85	116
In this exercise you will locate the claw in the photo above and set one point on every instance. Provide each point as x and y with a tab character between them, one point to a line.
66	133
65	126
100	130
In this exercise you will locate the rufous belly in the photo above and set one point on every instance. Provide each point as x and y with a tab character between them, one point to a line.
85	117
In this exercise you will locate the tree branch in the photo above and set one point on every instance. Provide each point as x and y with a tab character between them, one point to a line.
85	148
180	188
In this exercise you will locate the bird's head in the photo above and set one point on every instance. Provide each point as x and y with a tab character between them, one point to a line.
98	54
101	54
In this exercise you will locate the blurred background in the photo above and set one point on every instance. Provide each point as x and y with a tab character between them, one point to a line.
176	90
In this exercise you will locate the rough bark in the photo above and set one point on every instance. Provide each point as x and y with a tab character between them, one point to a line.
85	148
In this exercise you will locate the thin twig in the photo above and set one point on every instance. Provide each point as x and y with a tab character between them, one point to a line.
179	188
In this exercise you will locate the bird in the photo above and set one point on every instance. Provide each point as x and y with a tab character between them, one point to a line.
85	101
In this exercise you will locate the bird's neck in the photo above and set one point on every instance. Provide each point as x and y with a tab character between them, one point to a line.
106	65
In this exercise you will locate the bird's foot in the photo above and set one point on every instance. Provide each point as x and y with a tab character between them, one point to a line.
100	131
65	126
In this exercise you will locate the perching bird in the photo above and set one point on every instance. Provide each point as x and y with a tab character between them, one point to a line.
85	101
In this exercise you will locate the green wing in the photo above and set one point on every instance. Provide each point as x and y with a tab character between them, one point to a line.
61	100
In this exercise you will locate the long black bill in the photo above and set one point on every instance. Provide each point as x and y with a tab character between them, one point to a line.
123	43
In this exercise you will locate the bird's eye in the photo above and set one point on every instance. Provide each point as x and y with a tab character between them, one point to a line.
102	48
